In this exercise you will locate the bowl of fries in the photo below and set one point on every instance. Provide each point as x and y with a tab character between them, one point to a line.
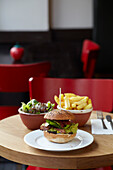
80	106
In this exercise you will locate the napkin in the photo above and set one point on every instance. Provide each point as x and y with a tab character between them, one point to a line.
97	127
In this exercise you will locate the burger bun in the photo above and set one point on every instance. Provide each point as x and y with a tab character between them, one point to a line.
57	114
59	138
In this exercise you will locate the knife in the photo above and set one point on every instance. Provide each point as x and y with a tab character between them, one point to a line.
109	119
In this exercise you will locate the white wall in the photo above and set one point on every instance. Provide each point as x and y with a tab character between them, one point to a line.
72	14
25	15
32	15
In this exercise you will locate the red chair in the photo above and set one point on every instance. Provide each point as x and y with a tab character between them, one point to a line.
99	90
38	168
14	84
90	51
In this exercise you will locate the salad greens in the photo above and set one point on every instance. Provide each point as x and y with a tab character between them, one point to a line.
53	123
55	127
73	128
35	107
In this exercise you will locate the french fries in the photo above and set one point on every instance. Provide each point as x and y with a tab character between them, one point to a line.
71	101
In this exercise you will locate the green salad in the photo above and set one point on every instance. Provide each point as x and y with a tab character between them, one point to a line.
35	107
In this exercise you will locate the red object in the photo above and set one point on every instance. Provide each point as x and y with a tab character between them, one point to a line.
99	90
14	78
6	111
103	168
39	168
17	52
90	52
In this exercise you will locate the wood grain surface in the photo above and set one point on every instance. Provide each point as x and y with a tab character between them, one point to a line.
13	147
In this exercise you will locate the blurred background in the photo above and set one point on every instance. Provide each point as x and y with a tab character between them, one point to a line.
54	30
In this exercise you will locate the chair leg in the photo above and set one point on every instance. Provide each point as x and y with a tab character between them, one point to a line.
21	167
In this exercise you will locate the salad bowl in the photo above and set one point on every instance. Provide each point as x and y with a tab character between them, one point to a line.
32	113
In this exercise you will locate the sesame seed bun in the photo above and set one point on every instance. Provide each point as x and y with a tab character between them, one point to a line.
57	114
59	138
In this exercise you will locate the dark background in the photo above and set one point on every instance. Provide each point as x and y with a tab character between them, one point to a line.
103	35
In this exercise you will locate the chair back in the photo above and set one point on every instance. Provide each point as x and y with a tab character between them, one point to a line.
90	52
99	90
14	86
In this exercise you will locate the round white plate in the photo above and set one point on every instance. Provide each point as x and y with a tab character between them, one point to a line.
37	140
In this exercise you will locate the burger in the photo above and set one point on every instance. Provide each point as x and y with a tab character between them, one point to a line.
59	126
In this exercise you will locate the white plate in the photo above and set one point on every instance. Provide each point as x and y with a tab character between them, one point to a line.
37	140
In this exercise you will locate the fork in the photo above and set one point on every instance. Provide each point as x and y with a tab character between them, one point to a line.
100	116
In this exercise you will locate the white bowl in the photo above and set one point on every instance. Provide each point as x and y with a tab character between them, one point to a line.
81	116
76	111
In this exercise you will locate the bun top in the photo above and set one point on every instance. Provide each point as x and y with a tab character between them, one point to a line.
57	114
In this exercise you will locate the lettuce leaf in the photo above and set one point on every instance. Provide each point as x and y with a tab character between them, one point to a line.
53	123
25	107
50	106
72	129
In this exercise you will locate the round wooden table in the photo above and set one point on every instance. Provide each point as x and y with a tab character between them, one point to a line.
13	147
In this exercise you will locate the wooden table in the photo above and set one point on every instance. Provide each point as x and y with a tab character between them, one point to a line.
12	147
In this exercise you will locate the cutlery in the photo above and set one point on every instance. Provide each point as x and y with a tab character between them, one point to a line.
109	119
100	116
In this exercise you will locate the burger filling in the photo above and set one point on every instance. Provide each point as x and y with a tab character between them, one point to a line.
59	126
